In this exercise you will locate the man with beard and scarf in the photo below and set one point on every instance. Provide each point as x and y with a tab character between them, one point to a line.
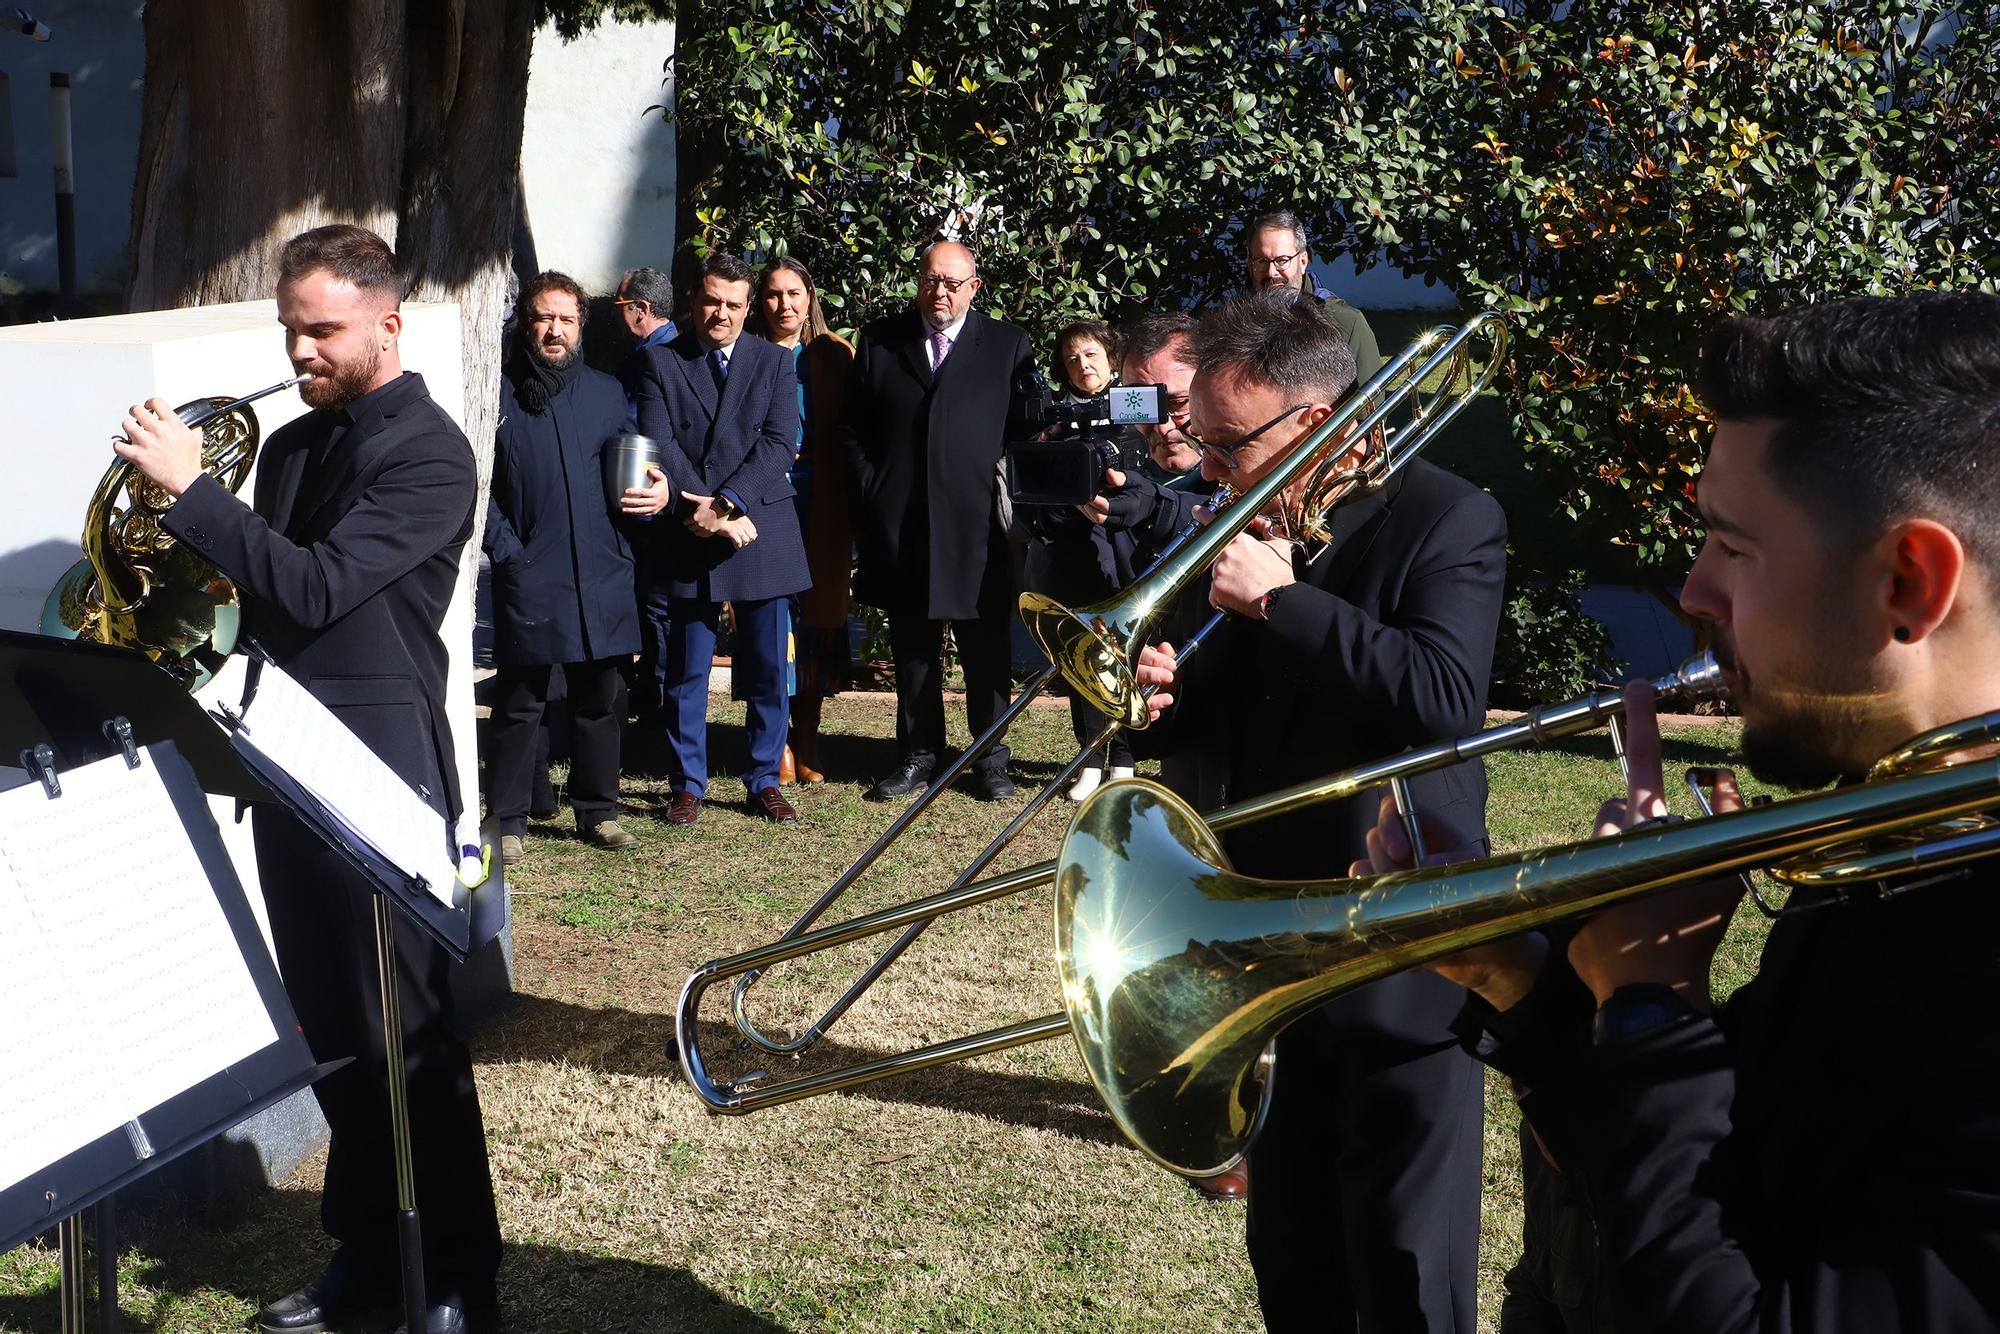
562	569
1822	1151
346	564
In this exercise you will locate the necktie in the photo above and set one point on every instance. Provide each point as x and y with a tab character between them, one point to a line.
721	367
940	346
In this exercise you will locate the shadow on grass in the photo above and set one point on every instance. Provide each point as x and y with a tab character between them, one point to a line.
630	1042
1675	751
206	1269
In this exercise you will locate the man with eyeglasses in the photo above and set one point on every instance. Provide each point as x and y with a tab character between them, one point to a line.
644	303
1277	256
1364	1182
932	399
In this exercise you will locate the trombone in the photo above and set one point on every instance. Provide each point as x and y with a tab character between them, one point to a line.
751	1093
1094	646
1177	972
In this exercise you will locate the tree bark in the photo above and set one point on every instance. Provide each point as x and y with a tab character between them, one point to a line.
262	120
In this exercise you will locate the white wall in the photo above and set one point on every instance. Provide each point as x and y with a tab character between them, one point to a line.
597	167
101	46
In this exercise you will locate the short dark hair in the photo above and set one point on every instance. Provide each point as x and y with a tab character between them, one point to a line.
549	280
352	254
1097	331
1887	408
1142	339
1277	340
650	286
726	267
1274	220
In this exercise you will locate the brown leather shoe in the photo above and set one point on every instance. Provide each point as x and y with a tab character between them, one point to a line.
788	767
1232	1186
683	808
810	776
771	804
610	836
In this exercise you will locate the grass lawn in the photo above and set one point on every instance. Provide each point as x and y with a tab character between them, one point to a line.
994	1195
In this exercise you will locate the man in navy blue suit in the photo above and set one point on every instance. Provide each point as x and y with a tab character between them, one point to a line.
725	407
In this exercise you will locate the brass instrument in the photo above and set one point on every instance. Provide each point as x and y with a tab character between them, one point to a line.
1324	460
137	587
1177	972
1097	646
1697	676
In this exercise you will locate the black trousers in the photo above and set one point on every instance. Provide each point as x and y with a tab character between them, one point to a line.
1364	1184
1087	722
323	927
596	726
917	644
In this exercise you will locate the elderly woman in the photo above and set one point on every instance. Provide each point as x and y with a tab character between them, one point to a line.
786	310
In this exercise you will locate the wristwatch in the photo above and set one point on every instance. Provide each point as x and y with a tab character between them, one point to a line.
1638	1007
1268	601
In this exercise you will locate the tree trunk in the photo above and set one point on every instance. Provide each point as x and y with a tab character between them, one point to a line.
261	120
403	116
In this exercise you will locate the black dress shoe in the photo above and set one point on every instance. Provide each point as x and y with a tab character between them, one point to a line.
912	775
452	1320
989	785
342	1291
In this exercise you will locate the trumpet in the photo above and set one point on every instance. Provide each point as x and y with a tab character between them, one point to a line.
1177	972
1079	643
753	1092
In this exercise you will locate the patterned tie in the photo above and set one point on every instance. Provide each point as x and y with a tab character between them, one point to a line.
721	367
940	348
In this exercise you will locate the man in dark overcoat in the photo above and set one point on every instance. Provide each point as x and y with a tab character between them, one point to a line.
724	406
933	396
562	570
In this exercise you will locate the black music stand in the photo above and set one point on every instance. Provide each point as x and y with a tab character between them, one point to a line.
89	1176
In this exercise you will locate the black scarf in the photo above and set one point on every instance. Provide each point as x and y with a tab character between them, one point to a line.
536	383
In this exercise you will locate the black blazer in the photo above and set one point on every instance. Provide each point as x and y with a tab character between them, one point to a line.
740	443
346	585
1824	1155
923	452
562	566
1384	644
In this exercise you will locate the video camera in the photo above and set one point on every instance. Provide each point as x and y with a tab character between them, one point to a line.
1095	434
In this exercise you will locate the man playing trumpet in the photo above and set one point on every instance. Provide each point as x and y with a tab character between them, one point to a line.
1822	1152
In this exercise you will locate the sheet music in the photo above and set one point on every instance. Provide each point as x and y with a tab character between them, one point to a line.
120	978
373	803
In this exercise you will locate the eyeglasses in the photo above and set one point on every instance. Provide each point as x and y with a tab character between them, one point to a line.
1227	453
631	301
935	280
1276	261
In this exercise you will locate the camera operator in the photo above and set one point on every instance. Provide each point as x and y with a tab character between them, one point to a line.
1074	557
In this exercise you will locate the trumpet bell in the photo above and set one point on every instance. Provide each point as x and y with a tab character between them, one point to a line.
1161	998
1092	647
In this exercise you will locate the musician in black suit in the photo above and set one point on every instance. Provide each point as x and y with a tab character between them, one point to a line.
1364	1184
1823	1152
346	564
724	406
930	402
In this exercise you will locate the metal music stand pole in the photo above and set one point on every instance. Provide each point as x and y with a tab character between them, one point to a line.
69	1235
409	1230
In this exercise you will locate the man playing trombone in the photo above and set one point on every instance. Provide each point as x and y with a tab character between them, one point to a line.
1823	1152
1364	1196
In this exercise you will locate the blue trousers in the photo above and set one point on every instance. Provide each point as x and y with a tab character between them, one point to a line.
760	676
